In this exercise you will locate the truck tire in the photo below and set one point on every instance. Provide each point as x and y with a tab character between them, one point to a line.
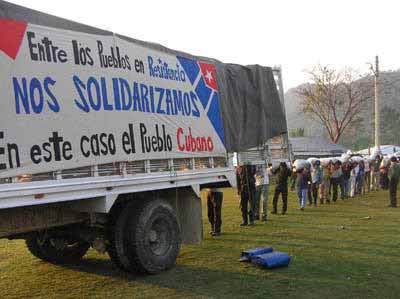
110	233
146	237
56	249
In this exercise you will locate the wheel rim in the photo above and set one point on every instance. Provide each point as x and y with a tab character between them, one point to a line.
158	237
59	244
62	244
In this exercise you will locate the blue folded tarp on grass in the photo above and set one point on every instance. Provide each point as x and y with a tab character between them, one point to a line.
271	260
247	255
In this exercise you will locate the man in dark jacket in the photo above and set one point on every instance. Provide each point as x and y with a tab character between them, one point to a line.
283	173
246	190
214	206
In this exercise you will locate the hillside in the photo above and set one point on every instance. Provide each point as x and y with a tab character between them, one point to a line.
359	135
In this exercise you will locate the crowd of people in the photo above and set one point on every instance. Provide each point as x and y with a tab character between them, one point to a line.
322	179
318	181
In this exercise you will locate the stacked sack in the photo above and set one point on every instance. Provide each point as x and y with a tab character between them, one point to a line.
325	161
345	158
299	164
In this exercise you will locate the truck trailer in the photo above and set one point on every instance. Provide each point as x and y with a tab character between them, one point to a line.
107	141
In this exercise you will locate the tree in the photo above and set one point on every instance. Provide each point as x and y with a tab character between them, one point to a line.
334	98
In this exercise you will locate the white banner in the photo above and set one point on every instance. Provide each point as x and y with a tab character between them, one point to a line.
70	99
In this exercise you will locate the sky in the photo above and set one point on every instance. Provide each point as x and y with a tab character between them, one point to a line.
296	35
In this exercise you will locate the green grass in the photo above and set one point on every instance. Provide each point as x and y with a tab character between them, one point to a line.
336	253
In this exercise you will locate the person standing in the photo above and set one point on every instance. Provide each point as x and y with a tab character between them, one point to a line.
394	176
262	189
259	180
383	175
246	188
375	174
353	178
303	179
316	180
341	184
367	176
325	186
214	207
283	173
360	178
336	177
346	169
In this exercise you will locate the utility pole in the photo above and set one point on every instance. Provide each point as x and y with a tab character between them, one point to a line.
376	85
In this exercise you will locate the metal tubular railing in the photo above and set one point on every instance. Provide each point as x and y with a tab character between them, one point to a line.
125	169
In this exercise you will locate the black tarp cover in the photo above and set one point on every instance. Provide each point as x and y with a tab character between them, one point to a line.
249	101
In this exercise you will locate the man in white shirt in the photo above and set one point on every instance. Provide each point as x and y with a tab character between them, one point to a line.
262	188
353	177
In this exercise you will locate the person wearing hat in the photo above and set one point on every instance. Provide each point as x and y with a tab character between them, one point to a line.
394	176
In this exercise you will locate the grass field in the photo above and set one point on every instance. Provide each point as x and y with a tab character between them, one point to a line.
337	252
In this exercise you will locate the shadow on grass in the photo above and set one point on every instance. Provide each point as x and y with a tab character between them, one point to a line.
278	283
197	280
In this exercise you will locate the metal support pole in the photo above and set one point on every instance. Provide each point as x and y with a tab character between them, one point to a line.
377	125
278	71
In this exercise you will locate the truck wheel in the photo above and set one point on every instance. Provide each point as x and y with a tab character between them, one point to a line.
110	231
57	249
146	237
